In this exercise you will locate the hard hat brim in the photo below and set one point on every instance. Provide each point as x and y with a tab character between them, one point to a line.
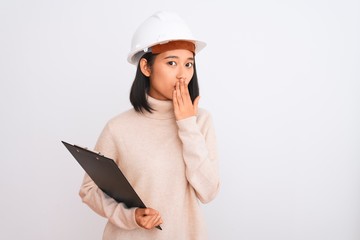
136	54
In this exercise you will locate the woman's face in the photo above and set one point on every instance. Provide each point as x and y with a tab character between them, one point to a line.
168	68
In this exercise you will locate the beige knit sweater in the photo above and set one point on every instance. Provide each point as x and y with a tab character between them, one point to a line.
171	164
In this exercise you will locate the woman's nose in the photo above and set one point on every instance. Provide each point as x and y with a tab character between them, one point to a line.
181	74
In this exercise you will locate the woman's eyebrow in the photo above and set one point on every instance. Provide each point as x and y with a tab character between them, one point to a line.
190	58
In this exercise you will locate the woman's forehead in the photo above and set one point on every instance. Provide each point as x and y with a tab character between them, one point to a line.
176	54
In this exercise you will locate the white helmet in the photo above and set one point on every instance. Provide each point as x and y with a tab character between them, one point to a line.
162	27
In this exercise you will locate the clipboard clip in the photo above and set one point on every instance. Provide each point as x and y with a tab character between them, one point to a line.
85	148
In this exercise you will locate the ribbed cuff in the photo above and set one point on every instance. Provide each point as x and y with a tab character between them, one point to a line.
187	123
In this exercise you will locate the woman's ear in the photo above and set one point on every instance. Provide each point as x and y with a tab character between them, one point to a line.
144	67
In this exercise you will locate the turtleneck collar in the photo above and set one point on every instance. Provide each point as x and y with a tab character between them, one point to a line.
163	109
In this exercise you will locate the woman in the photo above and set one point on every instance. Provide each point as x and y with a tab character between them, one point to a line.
165	145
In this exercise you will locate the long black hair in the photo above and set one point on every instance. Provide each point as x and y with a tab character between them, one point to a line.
141	85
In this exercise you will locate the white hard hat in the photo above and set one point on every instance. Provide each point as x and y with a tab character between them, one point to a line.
162	27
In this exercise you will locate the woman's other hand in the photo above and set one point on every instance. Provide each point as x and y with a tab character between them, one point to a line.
147	218
183	106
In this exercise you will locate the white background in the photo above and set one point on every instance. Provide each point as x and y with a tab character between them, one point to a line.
281	79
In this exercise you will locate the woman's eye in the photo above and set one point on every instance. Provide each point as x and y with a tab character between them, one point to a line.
172	63
189	65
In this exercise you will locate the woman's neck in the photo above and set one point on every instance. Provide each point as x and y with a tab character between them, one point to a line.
162	109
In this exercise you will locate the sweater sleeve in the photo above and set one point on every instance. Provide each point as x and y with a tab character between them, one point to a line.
200	156
117	213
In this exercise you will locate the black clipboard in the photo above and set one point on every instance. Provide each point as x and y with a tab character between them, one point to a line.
107	175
